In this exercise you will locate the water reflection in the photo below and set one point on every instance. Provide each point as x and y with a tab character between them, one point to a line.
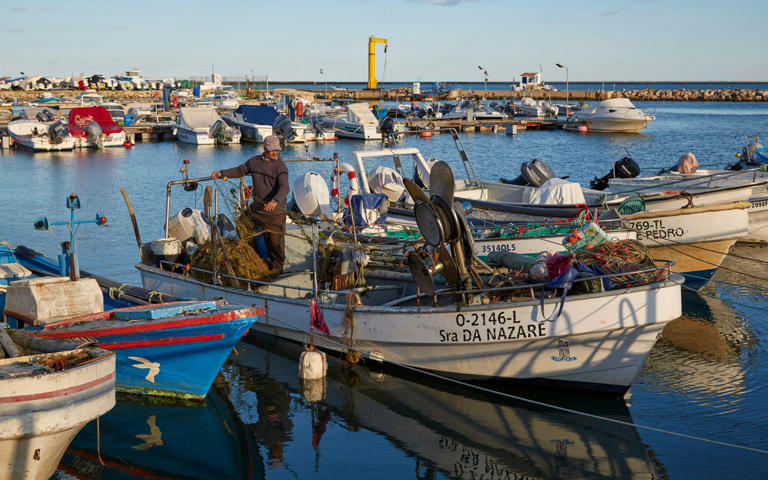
141	439
447	431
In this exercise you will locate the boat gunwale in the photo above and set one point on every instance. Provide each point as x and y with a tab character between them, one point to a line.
674	279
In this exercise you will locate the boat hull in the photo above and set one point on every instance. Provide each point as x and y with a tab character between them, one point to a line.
186	352
599	341
698	239
40	414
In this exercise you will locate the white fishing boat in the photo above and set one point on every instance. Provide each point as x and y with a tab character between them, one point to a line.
41	136
615	115
203	126
595	342
703	181
48	391
256	122
359	122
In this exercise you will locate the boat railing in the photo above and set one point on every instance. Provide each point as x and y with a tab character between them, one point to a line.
667	266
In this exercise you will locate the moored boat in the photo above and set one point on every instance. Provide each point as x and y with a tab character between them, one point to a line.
203	126
47	394
168	349
93	127
455	332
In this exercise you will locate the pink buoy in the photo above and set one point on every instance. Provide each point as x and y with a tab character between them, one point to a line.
581	129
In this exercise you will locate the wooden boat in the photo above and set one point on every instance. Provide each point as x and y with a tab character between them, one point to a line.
167	349
703	181
597	342
47	394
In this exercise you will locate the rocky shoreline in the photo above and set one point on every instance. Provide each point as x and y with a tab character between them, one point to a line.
648	94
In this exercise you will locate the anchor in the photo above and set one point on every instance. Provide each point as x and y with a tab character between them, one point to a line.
69	249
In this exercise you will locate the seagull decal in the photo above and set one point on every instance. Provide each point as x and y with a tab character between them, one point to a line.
153	367
153	439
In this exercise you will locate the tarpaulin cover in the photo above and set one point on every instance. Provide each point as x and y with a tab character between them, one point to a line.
360	113
257	114
368	208
198	117
80	117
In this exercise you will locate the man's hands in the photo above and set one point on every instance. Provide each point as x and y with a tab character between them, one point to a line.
271	205
217	174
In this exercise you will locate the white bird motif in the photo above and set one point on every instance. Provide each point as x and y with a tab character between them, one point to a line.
153	367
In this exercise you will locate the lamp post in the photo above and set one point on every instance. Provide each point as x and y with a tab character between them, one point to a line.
485	76
559	65
325	79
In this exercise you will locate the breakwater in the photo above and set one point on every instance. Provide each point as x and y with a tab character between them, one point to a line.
406	94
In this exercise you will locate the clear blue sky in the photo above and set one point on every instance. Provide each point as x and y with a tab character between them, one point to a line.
429	40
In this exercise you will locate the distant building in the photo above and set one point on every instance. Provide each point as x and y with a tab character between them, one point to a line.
530	80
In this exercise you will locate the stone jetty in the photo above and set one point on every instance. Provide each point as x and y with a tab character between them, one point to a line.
405	94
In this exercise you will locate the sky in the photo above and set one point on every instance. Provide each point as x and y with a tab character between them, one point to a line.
428	40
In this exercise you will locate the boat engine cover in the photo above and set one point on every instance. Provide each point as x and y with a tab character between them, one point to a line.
536	172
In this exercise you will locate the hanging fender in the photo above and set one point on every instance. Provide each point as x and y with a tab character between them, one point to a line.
299	109
354	182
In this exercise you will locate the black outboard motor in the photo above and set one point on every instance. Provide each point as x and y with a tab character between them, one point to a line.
533	173
44	115
283	127
57	132
624	168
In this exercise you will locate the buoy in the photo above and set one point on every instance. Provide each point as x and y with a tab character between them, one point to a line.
581	129
127	144
312	364
426	134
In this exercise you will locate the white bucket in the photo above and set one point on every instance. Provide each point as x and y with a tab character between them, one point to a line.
166	249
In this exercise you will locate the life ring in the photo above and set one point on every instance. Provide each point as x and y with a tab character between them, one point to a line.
354	182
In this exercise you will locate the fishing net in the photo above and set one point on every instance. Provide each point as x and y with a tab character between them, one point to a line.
245	262
623	257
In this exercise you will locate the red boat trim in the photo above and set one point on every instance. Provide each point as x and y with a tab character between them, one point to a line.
57	393
160	342
153	325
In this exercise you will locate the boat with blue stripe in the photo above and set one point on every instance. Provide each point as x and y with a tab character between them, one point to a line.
171	349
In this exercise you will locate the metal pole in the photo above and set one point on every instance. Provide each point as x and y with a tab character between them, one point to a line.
314	260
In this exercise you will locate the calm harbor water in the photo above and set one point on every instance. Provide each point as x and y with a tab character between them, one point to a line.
706	377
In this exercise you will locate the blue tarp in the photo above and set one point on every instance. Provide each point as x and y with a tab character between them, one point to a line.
258	114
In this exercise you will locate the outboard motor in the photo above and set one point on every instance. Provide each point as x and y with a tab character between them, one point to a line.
220	132
627	167
57	132
94	133
387	126
282	126
533	173
44	115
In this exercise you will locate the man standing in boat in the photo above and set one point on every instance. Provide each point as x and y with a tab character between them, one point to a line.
270	192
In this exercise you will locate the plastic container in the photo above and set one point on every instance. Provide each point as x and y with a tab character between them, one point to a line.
587	236
127	120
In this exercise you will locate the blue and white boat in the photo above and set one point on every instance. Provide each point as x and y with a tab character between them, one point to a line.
254	121
169	349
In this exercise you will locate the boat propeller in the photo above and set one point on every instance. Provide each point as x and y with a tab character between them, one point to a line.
444	228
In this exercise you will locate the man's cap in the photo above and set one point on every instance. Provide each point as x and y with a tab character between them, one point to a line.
271	143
